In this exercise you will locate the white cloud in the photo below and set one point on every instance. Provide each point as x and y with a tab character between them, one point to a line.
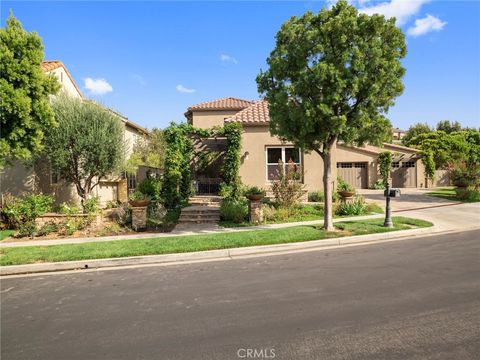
425	25
97	86
228	58
183	89
402	10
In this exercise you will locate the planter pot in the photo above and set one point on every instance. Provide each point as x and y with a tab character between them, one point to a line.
255	197
139	203
346	194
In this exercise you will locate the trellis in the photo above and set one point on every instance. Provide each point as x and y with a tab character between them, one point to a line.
179	153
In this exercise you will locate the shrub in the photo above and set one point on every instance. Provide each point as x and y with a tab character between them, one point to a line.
155	213
47	228
379	185
138	196
288	189
151	187
22	212
385	160
67	209
316	196
254	190
123	215
91	206
356	207
112	204
234	210
465	175
469	194
269	212
342	185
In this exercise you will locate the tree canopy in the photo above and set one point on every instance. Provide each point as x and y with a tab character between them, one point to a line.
86	146
148	152
333	76
25	111
415	130
449	126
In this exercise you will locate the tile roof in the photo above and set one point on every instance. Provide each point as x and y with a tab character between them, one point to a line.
228	103
257	113
49	65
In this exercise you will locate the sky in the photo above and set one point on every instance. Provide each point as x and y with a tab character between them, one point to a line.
151	60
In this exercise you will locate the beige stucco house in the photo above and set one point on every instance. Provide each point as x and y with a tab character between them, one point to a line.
20	178
261	152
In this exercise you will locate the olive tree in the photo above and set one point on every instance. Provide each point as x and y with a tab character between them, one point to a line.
86	146
332	76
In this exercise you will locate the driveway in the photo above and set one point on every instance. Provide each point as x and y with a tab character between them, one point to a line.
410	199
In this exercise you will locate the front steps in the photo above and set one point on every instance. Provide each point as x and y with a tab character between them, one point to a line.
202	210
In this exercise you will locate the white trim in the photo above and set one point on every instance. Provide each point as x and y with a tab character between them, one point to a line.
283	157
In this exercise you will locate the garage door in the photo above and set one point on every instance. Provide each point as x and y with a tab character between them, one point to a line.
404	174
354	173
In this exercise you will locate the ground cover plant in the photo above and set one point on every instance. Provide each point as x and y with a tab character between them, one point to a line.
180	244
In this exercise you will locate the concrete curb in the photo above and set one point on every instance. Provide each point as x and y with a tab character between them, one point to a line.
224	254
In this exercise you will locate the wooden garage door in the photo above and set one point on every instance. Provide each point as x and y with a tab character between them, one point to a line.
354	173
404	174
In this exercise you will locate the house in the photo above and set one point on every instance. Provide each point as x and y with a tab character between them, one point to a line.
262	152
20	178
398	134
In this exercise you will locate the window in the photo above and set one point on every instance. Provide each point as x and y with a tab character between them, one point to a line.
408	164
344	165
361	165
396	164
287	157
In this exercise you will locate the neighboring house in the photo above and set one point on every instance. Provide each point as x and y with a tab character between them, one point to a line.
19	178
262	152
398	134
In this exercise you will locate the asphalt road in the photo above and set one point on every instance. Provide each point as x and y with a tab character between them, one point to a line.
413	299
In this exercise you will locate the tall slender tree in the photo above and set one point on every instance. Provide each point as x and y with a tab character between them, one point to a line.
333	76
25	111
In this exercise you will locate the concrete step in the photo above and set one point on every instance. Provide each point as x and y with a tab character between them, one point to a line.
196	221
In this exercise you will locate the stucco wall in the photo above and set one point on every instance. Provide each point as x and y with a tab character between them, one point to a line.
208	119
253	172
67	84
17	179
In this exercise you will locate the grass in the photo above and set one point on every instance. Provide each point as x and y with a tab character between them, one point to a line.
6	233
179	244
449	193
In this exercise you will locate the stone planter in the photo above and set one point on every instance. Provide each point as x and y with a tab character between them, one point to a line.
139	203
346	194
255	197
255	212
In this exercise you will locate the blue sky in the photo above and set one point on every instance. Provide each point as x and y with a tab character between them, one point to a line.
156	58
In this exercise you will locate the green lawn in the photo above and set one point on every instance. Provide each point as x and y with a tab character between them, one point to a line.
167	245
6	233
449	193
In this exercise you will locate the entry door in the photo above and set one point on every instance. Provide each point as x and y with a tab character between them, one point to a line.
354	173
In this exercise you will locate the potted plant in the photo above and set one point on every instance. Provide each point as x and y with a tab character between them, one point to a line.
139	199
255	193
344	189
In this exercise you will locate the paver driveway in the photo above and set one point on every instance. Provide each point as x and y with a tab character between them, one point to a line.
410	199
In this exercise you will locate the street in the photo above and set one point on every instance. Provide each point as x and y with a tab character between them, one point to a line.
411	299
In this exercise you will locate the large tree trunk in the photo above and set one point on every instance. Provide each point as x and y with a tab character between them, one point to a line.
328	190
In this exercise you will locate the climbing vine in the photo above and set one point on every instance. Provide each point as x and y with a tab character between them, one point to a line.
179	153
385	165
429	164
